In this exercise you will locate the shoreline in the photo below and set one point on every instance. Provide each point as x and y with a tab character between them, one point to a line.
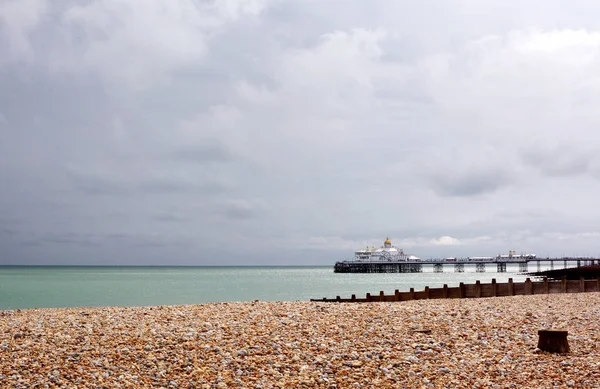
486	342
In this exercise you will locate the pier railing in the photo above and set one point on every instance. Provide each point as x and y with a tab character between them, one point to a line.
478	290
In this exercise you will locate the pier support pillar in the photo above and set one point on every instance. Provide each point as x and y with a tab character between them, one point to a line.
480	268
522	267
438	268
539	266
501	267
411	268
459	267
551	265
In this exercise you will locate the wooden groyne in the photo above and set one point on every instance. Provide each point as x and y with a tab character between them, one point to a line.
478	290
573	273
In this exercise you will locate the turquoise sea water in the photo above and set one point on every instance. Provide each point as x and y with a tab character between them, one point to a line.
60	286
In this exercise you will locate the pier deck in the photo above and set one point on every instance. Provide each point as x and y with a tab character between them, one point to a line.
416	266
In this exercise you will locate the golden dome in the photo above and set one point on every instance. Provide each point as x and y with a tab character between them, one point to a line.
387	241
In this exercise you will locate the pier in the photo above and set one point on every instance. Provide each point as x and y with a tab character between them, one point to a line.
458	265
479	290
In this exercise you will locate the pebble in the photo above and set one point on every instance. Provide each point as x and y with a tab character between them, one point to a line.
475	343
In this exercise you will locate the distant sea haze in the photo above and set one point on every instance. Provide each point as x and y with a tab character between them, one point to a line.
65	286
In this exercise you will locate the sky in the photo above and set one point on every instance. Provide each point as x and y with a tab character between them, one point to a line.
271	132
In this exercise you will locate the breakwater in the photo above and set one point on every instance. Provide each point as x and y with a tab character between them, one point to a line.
479	290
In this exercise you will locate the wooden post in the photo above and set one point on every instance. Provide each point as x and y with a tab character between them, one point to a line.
353	297
477	288
427	292
494	288
397	295
337	298
412	294
461	291
564	284
546	285
581	284
369	297
511	287
528	286
553	341
381	296
445	291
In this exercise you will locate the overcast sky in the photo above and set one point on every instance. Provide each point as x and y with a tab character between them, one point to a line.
294	132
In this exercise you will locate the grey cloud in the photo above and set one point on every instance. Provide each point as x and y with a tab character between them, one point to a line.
98	185
560	161
17	20
209	151
170	218
469	183
70	238
8	231
165	183
186	122
174	185
242	209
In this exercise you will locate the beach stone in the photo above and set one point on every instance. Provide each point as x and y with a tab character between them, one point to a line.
486	343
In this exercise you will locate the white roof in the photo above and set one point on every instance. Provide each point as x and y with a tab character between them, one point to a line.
386	249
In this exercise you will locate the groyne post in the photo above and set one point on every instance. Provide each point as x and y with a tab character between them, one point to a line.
445	291
397	295
461	290
494	288
581	284
477	288
412	293
546	285
427	292
553	341
511	287
564	284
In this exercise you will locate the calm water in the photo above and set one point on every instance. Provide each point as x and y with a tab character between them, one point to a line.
42	287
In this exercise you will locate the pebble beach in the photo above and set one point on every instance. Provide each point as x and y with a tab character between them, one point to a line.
455	343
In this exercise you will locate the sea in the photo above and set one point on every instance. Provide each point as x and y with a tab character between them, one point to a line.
24	287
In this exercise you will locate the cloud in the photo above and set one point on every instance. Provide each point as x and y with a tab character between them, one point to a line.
210	151
156	183
562	160
240	209
479	171
141	45
296	128
445	241
18	19
468	183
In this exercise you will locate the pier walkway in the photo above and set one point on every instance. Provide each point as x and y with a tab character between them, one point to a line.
416	266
